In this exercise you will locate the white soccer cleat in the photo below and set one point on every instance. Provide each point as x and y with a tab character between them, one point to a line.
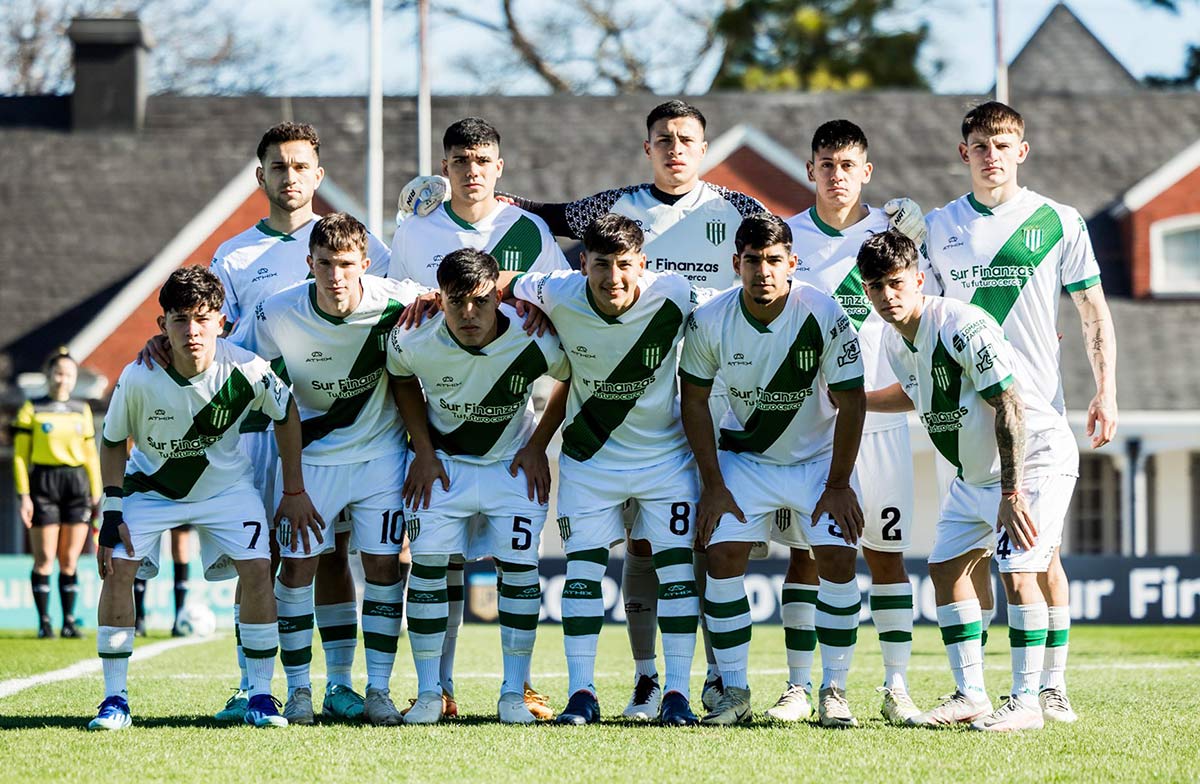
113	714
732	708
645	701
426	710
795	704
898	707
956	708
1013	714
833	710
1056	707
512	709
299	709
379	709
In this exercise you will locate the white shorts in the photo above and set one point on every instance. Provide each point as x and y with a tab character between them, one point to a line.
485	513
370	493
968	522
263	453
885	469
231	526
590	501
761	490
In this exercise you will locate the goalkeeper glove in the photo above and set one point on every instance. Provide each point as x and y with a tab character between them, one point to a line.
422	195
905	216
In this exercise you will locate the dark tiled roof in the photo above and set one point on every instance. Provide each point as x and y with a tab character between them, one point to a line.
1063	56
80	213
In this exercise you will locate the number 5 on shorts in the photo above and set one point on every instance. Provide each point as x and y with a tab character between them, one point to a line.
522	533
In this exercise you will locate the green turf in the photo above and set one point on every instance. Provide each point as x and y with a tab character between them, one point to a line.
1137	690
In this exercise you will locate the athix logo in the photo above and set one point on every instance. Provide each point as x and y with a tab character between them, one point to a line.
262	271
577	589
740	359
714	230
582	351
317	356
448	381
161	415
952	242
1033	238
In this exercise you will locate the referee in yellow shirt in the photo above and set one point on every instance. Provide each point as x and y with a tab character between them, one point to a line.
57	472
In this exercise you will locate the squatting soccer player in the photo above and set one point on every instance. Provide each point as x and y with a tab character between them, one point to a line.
186	468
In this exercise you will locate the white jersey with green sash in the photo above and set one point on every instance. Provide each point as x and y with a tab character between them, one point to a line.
827	259
185	430
623	407
1013	260
336	367
478	398
518	240
778	374
959	360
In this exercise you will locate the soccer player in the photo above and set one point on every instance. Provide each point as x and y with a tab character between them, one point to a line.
826	239
462	382
265	259
330	336
620	326
186	467
790	359
1011	251
1008	445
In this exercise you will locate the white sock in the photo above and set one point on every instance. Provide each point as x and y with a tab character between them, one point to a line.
295	633
244	683
261	643
1027	642
583	616
383	607
678	616
455	598
727	610
838	606
338	625
520	604
1054	666
427	619
114	644
961	629
799	610
892	612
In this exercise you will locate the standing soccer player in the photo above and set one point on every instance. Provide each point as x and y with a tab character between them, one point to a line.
186	467
463	381
330	337
620	326
826	239
1008	445
790	360
1011	251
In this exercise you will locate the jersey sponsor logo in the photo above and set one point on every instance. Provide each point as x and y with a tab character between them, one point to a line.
160	415
855	307
850	354
714	230
765	399
262	274
943	421
841	325
984	276
739	359
348	387
966	333
477	412
317	356
259	313
564	527
620	390
182	447
692	270
805	358
1033	238
984	358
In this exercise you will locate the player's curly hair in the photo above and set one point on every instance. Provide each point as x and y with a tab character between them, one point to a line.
191	287
288	132
672	110
992	118
466	270
469	133
613	234
762	231
338	231
886	253
838	135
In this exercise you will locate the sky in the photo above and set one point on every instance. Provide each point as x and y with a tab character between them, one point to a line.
1145	40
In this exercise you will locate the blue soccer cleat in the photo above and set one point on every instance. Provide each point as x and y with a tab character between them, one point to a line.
582	708
676	712
113	715
263	711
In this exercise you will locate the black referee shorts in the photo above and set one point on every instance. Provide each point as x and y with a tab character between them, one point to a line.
61	494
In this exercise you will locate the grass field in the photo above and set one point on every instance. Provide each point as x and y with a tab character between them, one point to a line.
1136	689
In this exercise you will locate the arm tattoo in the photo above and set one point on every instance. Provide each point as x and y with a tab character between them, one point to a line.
1010	436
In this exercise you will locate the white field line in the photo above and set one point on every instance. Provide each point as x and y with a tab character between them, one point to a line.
90	666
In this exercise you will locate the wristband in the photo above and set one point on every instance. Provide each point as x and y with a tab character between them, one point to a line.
298	492
110	533
1008	493
111	504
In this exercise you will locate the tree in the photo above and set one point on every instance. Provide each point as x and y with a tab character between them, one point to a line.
200	47
816	45
1191	66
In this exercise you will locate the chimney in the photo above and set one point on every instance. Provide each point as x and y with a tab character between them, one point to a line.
110	73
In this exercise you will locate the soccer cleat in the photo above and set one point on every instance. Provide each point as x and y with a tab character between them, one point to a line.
425	709
732	708
897	706
70	631
833	710
645	701
113	715
262	710
582	708
1056	706
512	709
235	707
139	627
449	706
675	711
714	687
1013	714
379	709
538	704
956	708
45	631
342	702
795	704
299	709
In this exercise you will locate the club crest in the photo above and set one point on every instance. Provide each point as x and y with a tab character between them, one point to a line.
1033	238
517	384
218	417
412	525
652	356
564	527
510	259
805	358
715	231
941	377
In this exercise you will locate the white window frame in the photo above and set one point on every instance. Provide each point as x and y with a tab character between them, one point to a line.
1159	285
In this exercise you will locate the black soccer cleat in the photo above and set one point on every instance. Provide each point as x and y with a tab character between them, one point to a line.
70	632
676	712
582	708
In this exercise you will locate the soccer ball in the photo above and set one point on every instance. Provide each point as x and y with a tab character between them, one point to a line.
196	620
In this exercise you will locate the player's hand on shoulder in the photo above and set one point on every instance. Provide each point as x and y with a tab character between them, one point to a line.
302	518
533	461
156	351
714	503
423	307
841	504
536	320
905	216
421	196
424	469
